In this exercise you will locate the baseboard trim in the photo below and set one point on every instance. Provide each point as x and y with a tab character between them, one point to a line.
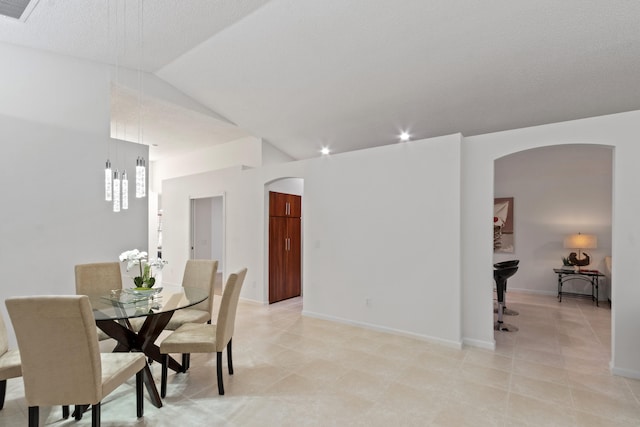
447	343
486	345
627	373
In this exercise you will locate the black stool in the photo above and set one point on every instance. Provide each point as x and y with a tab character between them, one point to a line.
504	264
502	271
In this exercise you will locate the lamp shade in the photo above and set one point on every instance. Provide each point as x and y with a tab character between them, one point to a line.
581	241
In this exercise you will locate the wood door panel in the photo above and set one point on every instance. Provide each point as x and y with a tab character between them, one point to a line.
285	246
277	253
277	204
288	205
293	259
295	205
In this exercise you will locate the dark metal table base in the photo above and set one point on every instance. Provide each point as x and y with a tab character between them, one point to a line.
142	341
589	276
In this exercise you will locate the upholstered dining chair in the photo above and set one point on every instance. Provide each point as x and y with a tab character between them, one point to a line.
98	278
207	338
9	362
198	273
61	359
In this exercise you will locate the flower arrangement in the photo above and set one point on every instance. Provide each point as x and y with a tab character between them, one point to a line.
141	259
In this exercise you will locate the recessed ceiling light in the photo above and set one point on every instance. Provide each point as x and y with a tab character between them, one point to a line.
325	151
404	136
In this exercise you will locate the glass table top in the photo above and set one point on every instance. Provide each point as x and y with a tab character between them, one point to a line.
125	303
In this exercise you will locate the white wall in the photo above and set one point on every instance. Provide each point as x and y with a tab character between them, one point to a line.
558	191
271	155
415	217
620	131
54	123
217	230
287	186
363	239
384	224
245	151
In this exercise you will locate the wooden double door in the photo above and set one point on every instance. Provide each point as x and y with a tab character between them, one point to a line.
285	241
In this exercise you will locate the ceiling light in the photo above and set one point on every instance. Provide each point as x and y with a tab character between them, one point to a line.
325	151
404	136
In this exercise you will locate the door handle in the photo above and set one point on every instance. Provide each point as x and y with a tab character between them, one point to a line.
286	209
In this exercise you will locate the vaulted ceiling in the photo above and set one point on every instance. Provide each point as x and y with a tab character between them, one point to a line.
351	74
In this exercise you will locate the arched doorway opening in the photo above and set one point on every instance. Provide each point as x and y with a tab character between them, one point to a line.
283	240
555	191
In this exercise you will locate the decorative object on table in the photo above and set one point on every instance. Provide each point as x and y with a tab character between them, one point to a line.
503	236
579	241
146	278
566	264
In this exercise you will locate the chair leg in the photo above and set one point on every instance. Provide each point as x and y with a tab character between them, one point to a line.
139	393
3	391
34	416
163	378
186	361
219	371
95	415
78	410
65	411
229	359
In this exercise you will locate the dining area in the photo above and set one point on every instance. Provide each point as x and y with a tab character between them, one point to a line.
104	343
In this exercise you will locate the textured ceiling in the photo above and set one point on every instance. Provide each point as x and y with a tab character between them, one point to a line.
353	74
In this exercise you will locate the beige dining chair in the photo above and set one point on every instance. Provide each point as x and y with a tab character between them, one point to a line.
206	338
97	279
61	359
9	361
198	273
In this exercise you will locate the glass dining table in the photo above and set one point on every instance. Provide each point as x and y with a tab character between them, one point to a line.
114	314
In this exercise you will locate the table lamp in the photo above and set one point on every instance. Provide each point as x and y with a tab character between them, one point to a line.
580	241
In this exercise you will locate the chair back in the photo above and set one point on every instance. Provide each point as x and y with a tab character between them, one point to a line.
201	273
98	278
228	306
59	349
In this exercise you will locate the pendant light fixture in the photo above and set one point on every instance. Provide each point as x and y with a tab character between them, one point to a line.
124	183
141	173
116	185
108	188
141	166
116	191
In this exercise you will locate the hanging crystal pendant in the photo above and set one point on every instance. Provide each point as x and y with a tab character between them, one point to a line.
144	177
125	190
116	192
107	182
141	183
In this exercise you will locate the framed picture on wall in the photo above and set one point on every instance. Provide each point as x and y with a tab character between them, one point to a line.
503	240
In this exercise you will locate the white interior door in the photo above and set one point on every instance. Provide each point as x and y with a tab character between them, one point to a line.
207	229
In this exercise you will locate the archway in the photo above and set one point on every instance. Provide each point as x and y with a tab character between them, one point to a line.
283	239
569	197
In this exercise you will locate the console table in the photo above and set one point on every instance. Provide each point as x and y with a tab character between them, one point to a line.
591	276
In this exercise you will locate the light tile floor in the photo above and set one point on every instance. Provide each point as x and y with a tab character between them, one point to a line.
292	370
